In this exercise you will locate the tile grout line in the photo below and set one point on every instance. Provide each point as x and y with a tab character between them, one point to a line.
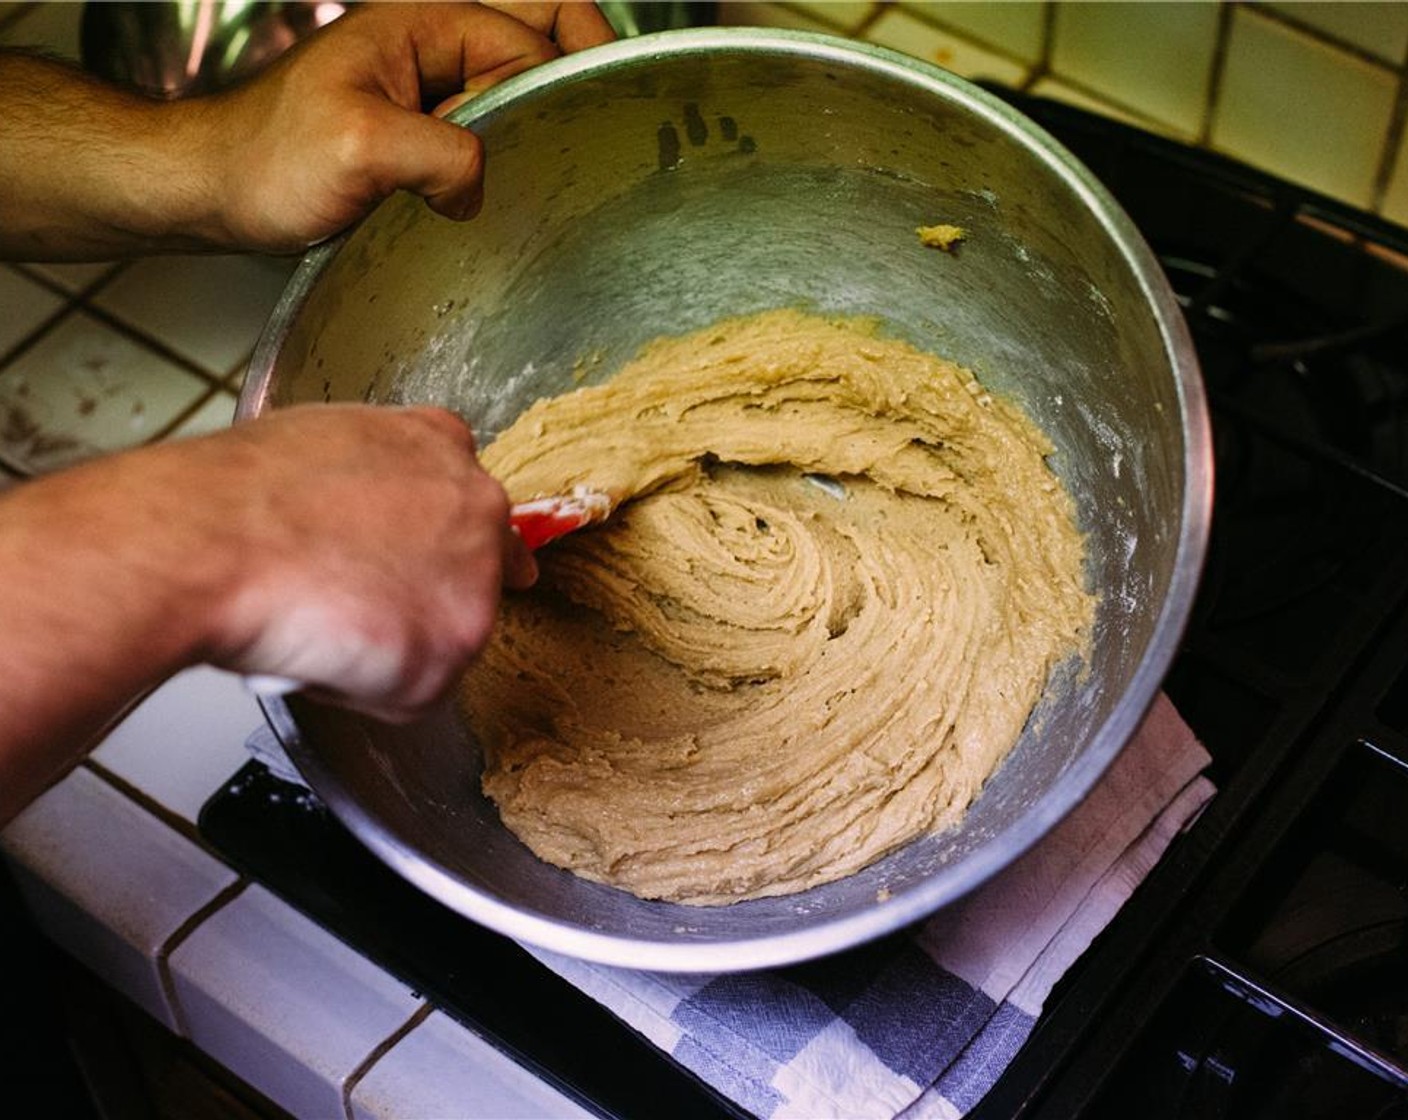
380	1050
216	385
70	298
222	899
14	17
211	388
33	270
184	828
171	426
144	800
1138	118
1041	69
35	333
82	300
1324	38
1394	132
151	342
1393	140
817	15
876	11
928	19
1048	42
1217	71
181	934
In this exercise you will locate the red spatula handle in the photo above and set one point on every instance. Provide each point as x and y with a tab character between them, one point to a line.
545	519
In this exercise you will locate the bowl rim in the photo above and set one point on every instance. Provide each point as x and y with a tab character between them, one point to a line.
1071	786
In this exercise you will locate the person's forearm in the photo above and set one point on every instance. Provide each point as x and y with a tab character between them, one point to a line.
97	605
91	171
275	164
357	549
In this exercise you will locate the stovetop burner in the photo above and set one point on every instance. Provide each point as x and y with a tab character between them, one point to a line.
1227	1048
1326	920
1258	971
1261	970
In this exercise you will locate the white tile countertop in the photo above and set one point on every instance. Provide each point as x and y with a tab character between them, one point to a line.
113	871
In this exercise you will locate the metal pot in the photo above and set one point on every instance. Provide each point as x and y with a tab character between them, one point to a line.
182	48
657	185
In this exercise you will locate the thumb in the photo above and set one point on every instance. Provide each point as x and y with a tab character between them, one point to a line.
440	161
487	80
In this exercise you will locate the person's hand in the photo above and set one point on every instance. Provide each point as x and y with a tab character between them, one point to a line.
372	549
339	122
359	549
93	171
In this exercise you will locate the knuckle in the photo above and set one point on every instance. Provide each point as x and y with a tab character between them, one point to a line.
469	151
356	144
543	50
491	502
443	421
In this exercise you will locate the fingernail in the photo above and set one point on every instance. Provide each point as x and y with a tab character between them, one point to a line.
479	83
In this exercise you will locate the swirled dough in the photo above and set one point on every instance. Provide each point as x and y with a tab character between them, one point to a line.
837	577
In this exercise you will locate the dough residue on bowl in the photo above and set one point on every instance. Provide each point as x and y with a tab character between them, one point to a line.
837	578
942	236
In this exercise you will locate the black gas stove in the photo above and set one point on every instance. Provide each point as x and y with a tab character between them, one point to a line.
1262	968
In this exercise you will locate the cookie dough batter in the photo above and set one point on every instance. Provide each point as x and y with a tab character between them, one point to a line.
829	598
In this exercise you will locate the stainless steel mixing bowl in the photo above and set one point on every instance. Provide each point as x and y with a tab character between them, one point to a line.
656	185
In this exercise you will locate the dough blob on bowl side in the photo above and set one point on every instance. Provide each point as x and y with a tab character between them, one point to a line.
837	579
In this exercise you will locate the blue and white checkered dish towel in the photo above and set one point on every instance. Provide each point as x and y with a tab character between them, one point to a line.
920	1025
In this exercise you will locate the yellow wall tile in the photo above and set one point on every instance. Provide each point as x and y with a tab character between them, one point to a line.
1305	110
1379	28
1058	90
52	26
844	15
1014	26
742	13
1154	58
902	32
